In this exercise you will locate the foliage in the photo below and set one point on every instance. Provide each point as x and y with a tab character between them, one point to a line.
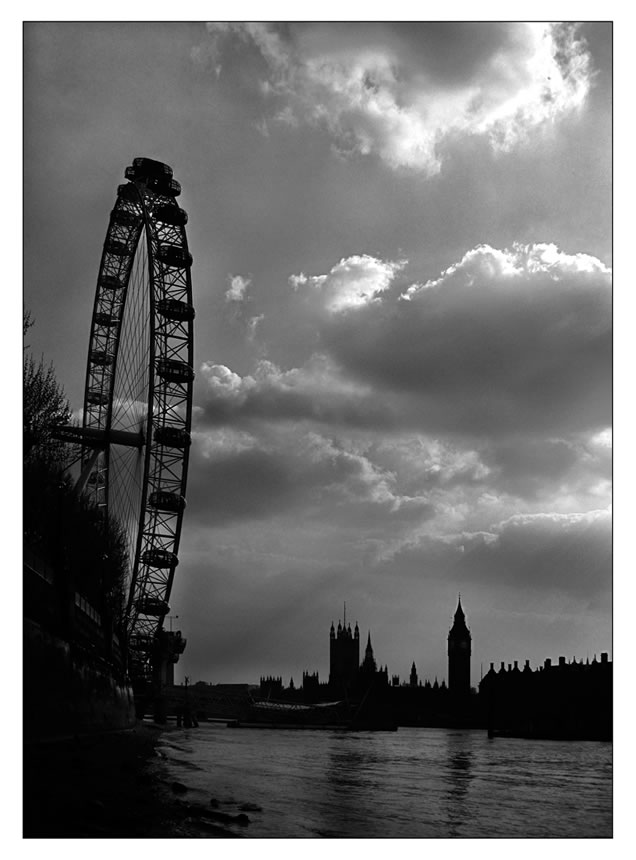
79	541
76	537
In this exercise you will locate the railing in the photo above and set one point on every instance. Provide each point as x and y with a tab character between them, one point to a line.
87	609
51	601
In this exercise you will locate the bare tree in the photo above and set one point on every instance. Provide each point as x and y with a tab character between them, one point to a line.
44	406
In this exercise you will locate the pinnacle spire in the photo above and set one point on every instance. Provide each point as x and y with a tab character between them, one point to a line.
460	617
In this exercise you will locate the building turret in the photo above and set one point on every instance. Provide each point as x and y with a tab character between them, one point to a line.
459	651
368	664
413	676
344	657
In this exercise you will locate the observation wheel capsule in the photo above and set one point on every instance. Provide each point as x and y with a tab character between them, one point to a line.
174	371
152	606
172	437
160	558
174	256
117	248
101	358
175	310
162	500
106	320
111	282
173	216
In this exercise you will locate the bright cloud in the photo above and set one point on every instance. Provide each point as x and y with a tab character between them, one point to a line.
238	286
351	283
317	392
518	263
378	91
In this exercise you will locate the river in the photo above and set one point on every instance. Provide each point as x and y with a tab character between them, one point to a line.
415	782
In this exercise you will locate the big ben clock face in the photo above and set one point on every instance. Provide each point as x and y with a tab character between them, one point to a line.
463	645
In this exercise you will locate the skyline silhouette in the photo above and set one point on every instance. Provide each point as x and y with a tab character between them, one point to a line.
402	246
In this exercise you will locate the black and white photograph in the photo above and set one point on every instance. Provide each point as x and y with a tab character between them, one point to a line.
317	400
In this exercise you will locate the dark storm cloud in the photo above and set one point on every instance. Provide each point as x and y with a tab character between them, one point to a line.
547	553
245	485
502	341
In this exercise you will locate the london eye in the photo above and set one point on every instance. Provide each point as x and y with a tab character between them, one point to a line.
135	432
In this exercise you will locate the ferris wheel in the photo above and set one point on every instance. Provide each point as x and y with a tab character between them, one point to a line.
135	434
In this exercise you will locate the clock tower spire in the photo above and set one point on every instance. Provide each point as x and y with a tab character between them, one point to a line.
459	650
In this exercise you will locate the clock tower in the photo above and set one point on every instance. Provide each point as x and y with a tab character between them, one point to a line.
459	649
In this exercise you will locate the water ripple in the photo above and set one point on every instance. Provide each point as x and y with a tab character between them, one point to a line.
410	783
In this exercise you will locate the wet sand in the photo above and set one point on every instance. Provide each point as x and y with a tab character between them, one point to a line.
110	786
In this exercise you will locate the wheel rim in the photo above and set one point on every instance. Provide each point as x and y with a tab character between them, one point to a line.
138	394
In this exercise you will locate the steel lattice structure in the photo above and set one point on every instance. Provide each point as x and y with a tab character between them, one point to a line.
138	392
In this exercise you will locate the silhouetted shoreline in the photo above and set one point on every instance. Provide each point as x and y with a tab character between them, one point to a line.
109	786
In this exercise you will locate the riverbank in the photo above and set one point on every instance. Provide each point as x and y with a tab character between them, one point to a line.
110	786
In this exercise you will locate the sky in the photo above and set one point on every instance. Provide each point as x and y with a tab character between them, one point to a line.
402	277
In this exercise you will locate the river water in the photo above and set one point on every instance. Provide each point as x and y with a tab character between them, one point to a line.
413	783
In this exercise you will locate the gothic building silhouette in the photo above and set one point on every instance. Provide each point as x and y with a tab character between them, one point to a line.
346	673
565	700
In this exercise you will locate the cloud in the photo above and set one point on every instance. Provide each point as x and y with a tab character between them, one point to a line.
545	552
403	91
252	325
442	405
242	476
433	409
316	392
238	286
506	357
504	341
565	471
353	282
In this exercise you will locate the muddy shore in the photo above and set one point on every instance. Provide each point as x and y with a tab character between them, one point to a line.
112	786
